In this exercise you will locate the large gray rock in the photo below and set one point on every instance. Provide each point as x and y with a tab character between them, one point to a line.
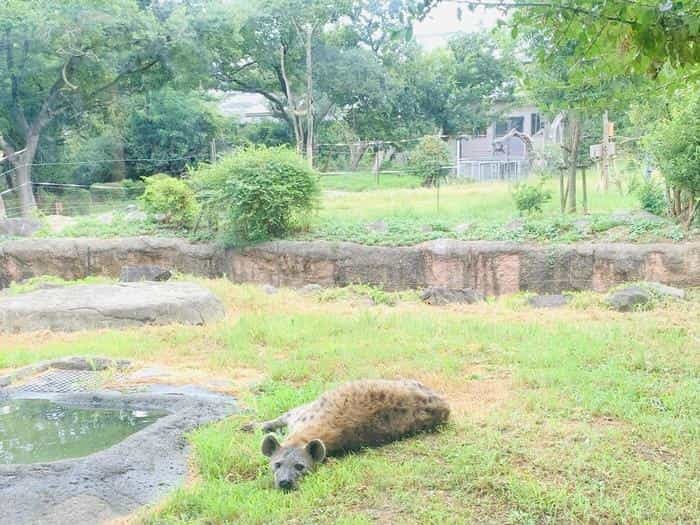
436	295
145	272
86	307
19	227
626	299
665	291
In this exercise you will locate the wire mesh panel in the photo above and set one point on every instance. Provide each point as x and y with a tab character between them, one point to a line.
492	170
69	199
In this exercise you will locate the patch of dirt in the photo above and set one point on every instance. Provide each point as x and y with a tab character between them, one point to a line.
480	393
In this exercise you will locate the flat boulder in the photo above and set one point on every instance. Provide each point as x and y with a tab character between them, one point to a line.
144	272
436	295
625	299
86	307
665	291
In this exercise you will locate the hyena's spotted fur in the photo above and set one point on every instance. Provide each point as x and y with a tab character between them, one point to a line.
352	416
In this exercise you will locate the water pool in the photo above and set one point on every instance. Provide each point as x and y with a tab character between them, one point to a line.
38	430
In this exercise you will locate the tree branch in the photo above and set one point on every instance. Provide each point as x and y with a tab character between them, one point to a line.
120	77
550	5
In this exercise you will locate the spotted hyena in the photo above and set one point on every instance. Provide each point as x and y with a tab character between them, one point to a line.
354	415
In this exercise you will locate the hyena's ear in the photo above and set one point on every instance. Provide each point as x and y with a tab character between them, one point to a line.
316	449
270	445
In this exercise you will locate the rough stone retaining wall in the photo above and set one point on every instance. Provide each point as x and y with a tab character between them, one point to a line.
493	268
79	258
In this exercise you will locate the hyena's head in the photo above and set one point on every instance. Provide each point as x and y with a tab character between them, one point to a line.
291	463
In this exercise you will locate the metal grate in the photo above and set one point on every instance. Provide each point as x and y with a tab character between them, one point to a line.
62	382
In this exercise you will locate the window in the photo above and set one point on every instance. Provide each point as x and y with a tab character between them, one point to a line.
536	123
516	123
501	128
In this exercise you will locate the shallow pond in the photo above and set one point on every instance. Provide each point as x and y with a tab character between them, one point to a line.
37	430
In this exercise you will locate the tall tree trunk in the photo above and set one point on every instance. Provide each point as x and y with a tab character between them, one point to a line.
22	164
309	99
575	134
357	151
119	170
292	109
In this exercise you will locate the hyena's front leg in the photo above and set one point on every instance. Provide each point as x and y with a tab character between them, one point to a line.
267	426
275	424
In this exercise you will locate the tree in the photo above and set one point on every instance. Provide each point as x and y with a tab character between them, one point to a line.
274	58
171	128
456	87
580	89
653	33
674	142
61	59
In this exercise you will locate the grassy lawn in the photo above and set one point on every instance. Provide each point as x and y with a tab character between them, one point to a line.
409	214
577	415
486	211
366	181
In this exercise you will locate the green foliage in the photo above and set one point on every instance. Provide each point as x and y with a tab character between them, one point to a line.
170	201
133	188
430	160
652	198
265	133
171	129
263	192
674	143
530	198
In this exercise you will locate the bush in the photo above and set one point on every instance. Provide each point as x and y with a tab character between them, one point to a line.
652	198
263	192
170	200
429	160
529	198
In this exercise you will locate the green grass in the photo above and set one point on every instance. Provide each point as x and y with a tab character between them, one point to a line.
367	181
577	415
410	213
412	216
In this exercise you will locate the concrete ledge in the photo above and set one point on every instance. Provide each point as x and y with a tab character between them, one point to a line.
492	268
114	482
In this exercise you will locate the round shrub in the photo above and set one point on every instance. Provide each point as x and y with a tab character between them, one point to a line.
430	159
261	191
530	198
652	197
170	201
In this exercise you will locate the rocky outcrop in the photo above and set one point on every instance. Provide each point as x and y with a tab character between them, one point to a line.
79	258
86	307
490	268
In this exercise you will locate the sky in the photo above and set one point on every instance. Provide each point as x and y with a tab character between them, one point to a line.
442	22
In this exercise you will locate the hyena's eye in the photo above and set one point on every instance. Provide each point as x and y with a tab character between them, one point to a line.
277	465
299	467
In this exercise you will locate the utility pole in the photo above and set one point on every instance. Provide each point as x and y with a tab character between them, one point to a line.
604	154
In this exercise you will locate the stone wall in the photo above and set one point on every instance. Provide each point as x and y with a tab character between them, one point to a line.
79	258
493	268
